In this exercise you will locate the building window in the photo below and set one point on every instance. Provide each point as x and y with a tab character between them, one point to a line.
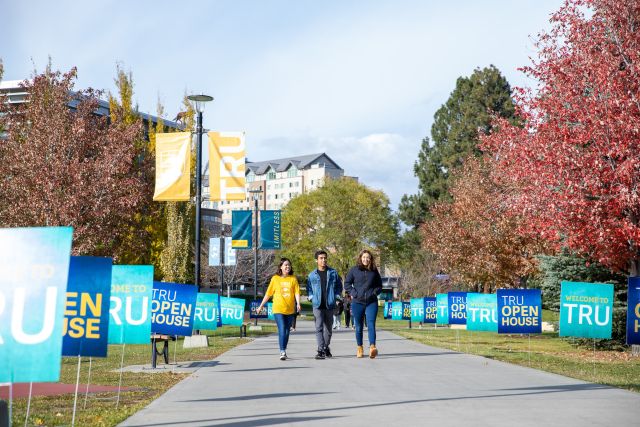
271	175
292	172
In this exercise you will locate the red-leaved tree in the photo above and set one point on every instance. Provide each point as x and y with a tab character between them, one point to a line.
62	166
576	161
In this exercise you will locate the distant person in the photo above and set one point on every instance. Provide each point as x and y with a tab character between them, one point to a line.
285	290
295	320
324	286
347	311
364	284
337	314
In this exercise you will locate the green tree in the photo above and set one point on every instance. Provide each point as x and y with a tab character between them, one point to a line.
177	257
342	217
455	135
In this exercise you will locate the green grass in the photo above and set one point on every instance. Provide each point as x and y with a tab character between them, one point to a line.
101	408
546	352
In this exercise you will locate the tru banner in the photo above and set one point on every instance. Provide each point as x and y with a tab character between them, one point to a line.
417	309
232	311
172	308
270	230
388	310
215	249
457	305
482	312
241	231
519	311
86	316
430	310
226	166
34	268
586	310
442	303
253	310
173	162
270	315
207	312
130	311
633	311
397	310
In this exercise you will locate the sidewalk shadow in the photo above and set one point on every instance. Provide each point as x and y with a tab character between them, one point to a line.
256	422
395	355
263	369
200	364
254	397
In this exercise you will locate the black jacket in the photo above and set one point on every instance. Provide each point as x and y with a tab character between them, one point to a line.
364	286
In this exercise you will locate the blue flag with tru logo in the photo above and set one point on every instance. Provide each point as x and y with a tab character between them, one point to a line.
388	310
86	322
430	310
519	311
232	311
586	310
34	269
442	304
633	311
130	309
417	309
482	312
241	229
270	230
173	308
207	312
457	302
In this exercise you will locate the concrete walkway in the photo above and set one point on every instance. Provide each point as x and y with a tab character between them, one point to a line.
408	384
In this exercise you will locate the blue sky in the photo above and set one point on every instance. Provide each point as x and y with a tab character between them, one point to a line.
359	80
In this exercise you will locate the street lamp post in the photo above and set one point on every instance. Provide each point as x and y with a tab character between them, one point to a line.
199	101
255	246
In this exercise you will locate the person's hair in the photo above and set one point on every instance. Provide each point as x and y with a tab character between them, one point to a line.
318	253
372	263
282	261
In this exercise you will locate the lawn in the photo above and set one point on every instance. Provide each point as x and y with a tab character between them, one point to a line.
545	351
101	408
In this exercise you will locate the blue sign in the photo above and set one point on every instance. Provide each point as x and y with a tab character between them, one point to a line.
417	309
519	311
457	305
172	308
207	313
586	310
633	311
406	310
270	230
232	311
396	310
86	316
482	312
253	306
34	269
241	230
270	315
442	302
130	310
388	310
430	310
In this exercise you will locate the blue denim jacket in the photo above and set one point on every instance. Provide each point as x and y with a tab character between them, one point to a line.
334	288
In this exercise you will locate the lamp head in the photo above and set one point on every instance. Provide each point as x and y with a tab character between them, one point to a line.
199	101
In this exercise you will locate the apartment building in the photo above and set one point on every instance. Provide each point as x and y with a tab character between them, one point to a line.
275	182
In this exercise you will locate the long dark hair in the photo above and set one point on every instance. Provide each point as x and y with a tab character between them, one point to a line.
282	261
372	263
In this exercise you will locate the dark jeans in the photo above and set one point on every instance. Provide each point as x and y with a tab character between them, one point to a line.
347	318
324	325
359	311
284	324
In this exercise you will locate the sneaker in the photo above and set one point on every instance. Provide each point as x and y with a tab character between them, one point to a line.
327	352
320	355
283	355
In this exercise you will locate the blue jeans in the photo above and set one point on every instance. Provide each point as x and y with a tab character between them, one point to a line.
284	322
359	310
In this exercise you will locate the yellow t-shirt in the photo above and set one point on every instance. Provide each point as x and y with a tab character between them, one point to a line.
284	291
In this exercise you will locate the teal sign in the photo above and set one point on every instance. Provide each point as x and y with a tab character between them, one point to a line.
241	230
34	269
130	310
86	315
270	315
442	315
388	308
270	230
232	311
417	309
207	312
586	310
396	310
482	312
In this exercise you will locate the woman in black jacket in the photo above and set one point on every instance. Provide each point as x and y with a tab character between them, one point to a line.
364	284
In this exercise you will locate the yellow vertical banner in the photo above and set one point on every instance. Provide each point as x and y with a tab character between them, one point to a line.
226	166
173	161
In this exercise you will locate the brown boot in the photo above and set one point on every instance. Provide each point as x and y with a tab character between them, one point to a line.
359	352
373	351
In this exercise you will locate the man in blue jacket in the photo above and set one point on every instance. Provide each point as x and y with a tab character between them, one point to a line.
324	287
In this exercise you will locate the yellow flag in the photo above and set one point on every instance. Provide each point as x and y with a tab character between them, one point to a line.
173	159
226	166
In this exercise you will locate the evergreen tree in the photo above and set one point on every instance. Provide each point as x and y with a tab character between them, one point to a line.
455	135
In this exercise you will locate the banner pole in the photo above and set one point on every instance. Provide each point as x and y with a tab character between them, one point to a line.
529	335
75	397
175	349
86	393
458	339
26	417
120	381
10	401
594	358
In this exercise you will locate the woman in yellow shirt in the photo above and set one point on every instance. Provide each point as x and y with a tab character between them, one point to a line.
285	290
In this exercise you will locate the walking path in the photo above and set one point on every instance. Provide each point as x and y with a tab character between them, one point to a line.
407	384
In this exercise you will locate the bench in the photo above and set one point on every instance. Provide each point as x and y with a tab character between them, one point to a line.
155	338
